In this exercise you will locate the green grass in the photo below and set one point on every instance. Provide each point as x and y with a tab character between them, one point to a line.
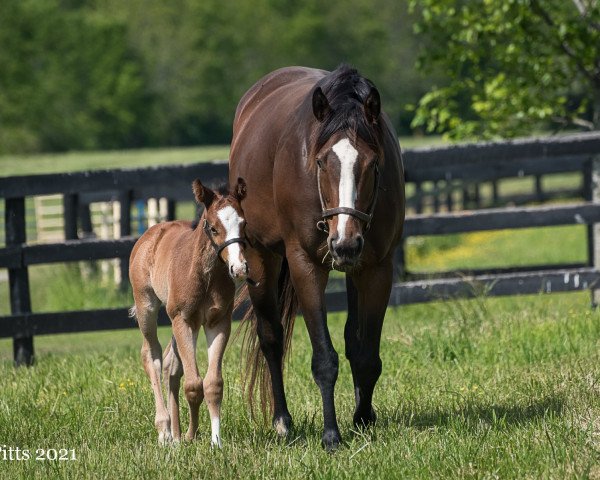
73	161
498	248
495	388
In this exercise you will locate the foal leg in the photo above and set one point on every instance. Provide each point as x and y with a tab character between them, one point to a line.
172	373
216	341
186	338
146	313
368	296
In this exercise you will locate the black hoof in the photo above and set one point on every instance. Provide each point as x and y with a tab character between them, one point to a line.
282	424
331	440
362	420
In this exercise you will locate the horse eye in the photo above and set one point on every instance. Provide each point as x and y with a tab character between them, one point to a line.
320	163
213	230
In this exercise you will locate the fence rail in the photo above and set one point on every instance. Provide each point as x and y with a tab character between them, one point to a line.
453	168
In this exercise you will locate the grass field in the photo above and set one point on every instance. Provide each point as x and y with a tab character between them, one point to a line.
498	388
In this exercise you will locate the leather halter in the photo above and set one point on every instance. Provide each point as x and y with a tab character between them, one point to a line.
331	212
219	248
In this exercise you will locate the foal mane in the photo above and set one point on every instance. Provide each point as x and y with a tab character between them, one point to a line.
346	91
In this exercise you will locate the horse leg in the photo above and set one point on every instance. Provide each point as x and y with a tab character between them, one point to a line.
216	341
265	268
172	373
368	295
146	313
186	338
309	282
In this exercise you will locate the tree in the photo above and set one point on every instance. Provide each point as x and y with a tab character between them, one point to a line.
512	67
67	80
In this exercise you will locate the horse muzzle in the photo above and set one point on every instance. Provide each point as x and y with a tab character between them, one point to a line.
346	253
238	270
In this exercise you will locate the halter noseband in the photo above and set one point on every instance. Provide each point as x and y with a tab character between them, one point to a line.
331	212
219	248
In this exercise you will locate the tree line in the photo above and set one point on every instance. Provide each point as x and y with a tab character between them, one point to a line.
102	74
106	74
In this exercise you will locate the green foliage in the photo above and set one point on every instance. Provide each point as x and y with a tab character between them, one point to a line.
67	79
98	74
512	67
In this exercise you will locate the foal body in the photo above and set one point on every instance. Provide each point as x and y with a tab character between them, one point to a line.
189	270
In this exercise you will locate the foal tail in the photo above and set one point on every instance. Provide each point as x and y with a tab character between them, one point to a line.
255	372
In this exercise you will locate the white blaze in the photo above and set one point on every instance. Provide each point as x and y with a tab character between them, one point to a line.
231	222
347	188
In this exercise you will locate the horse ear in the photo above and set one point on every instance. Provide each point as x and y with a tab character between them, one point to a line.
203	194
241	189
320	104
373	105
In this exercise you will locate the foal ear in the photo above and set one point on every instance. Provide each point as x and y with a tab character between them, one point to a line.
320	104
203	194
241	189
373	105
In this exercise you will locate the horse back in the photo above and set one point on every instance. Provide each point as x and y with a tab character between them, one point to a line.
155	252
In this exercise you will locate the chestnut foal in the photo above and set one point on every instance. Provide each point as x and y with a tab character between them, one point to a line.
189	268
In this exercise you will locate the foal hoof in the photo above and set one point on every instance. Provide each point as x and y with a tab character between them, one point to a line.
165	438
282	425
331	440
362	420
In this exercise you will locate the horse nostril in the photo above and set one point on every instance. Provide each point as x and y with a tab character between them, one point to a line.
231	270
360	241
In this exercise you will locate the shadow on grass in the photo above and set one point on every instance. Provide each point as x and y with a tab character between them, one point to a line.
473	415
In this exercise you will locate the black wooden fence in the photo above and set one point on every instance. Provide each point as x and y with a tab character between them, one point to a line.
449	169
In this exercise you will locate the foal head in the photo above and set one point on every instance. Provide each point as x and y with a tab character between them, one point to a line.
347	154
224	224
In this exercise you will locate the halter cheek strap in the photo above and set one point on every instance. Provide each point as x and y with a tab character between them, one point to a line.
331	212
219	248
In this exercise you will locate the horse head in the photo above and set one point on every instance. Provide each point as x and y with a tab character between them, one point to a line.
224	225
347	155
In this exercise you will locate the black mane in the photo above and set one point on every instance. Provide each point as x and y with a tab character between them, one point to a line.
346	91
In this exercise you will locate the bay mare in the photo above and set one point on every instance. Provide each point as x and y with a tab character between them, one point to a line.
325	191
189	267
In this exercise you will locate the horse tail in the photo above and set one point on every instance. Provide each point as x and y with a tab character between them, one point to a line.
255	373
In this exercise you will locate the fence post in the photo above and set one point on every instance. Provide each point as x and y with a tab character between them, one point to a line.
592	187
399	262
125	224
171	206
70	211
495	196
18	279
418	197
85	217
539	192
